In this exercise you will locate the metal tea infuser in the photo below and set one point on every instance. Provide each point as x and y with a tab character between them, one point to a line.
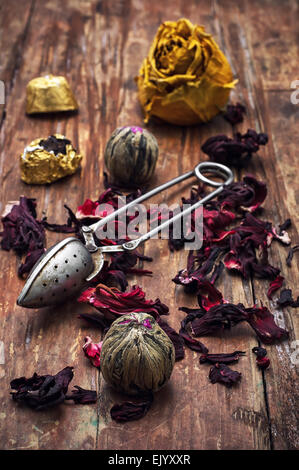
65	268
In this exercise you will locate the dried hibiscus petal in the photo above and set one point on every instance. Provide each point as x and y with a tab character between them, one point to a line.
218	317
42	391
72	225
130	411
262	321
274	286
251	235
221	373
236	151
175	338
291	254
93	351
224	358
234	113
286	299
192	343
262	360
112	302
23	233
246	195
82	396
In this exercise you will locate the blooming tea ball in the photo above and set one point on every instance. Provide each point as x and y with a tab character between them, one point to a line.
137	356
130	156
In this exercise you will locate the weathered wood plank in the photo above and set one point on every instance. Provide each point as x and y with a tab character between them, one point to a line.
187	414
280	117
46	341
272	112
15	26
99	46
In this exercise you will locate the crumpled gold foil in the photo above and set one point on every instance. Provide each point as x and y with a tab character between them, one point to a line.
49	94
39	166
185	79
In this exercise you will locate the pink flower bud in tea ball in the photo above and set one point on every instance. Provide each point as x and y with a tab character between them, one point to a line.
136	356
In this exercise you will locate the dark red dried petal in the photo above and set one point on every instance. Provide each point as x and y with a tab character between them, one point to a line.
275	285
246	195
291	254
194	283
236	151
218	317
73	225
221	373
23	232
82	396
41	392
130	411
30	260
263	323
112	302
93	351
224	358
251	235
192	343
234	113
286	299
262	360
175	338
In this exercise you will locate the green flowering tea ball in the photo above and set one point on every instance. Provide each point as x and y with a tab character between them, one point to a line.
130	156
136	356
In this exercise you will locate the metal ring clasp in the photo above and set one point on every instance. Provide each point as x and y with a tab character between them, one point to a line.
216	168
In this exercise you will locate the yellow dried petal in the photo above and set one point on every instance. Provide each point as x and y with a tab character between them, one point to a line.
185	79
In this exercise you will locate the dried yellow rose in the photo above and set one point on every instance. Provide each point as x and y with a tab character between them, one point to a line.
185	79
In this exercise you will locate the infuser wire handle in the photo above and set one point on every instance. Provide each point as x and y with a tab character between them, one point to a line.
209	167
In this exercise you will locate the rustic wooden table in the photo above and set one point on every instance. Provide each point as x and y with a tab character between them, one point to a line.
99	45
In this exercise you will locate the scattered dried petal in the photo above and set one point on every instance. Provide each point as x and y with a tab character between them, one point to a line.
93	351
291	254
23	233
246	195
274	286
234	113
221	373
286	299
42	391
263	323
82	396
130	411
262	360
234	152
175	338
224	358
192	343
112	302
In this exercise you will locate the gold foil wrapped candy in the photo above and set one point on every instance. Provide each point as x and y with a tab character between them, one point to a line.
49	94
47	160
137	356
185	79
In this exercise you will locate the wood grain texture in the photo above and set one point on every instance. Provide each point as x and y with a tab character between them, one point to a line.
99	46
